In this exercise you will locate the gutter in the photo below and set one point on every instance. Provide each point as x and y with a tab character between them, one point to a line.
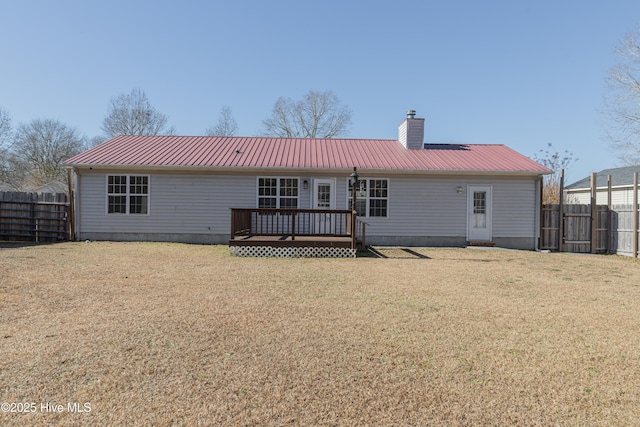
337	171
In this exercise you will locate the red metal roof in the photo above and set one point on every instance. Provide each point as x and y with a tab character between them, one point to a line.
300	153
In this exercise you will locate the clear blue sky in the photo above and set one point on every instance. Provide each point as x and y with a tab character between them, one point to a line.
520	73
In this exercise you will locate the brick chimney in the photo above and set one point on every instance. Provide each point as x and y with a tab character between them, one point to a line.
411	132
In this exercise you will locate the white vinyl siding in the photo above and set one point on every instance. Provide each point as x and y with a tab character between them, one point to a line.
178	203
184	203
431	206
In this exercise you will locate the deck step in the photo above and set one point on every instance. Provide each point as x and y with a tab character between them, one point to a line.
484	244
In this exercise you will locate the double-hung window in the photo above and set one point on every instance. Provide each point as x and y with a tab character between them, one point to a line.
279	193
128	194
372	197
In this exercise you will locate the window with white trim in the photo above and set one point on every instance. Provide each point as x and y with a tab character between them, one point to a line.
278	193
128	194
372	197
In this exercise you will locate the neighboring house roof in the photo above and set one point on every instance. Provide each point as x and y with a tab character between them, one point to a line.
300	153
619	176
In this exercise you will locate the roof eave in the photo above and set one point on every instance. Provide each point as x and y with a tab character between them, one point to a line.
305	170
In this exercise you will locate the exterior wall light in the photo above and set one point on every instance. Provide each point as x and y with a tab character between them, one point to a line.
353	180
354	177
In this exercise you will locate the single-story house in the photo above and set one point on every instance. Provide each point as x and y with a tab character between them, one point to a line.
182	188
621	187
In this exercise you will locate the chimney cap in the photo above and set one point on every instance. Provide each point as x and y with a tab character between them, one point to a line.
411	114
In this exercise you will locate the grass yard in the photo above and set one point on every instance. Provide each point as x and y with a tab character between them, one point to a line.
170	334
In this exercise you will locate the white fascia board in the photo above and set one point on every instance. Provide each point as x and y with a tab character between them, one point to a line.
340	171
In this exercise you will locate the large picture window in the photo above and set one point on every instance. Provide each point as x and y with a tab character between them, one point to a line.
278	193
128	194
372	197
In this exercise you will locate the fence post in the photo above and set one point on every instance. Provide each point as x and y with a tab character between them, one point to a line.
594	214
541	212
635	214
561	213
33	224
609	216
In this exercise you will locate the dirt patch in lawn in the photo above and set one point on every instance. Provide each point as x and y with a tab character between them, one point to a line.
170	334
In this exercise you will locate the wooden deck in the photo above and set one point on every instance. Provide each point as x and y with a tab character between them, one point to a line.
288	242
296	228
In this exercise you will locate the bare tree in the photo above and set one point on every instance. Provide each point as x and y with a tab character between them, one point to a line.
555	161
40	147
316	115
5	128
7	164
622	105
133	114
96	140
226	126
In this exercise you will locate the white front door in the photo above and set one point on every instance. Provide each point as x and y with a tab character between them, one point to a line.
324	198
479	213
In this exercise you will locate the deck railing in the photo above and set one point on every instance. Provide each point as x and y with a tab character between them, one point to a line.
296	222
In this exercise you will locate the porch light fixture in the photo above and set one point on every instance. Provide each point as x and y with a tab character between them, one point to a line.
459	190
305	184
354	177
353	180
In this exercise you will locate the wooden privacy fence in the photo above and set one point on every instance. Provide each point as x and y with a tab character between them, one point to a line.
574	230
591	228
37	217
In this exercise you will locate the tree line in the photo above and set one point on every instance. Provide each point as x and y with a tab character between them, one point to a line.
32	154
622	102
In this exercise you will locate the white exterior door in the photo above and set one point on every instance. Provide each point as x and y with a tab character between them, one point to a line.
324	198
479	213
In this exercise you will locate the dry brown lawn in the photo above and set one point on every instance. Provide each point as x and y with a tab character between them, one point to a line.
169	334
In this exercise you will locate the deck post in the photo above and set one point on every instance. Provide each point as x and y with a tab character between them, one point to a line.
233	223
293	225
353	230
